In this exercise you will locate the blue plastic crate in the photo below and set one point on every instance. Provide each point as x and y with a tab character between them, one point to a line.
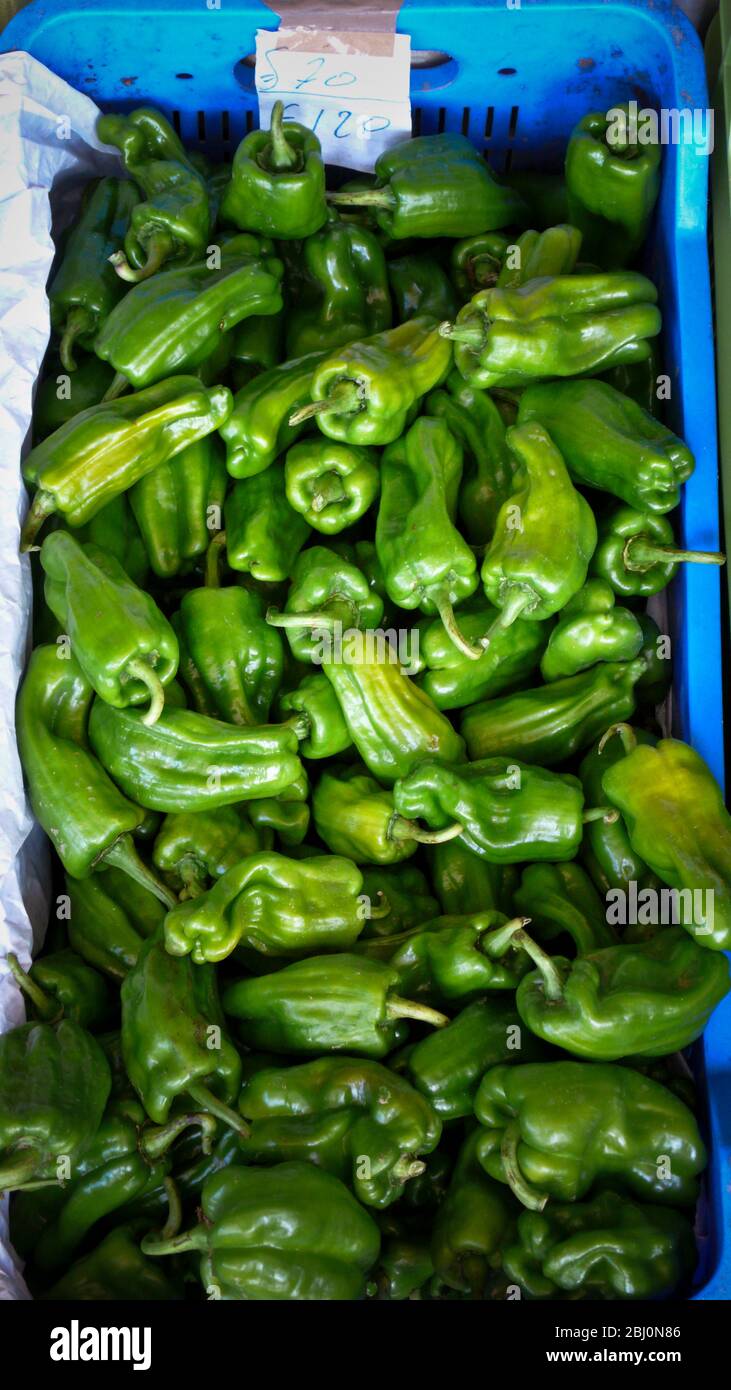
516	81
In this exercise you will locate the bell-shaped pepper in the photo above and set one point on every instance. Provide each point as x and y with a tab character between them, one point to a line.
339	1003
54	1085
288	813
104	450
62	985
475	421
550	723
258	430
471	1226
677	822
466	883
591	629
85	289
475	262
116	1270
263	534
608	1247
447	1065
238	657
272	904
173	322
507	811
328	599
114	531
61	396
356	817
639	380
545	535
110	916
404	1267
277	181
189	762
561	325
256	346
87	818
612	183
651	998
173	1042
606	851
435	186
174	221
554	1129
285	1233
125	647
367	392
637	554
453	680
560	899
341	291
354	1118
426	564
315	699
455	958
179	505
404	889
331	485
554	251
195	847
609	442
419	286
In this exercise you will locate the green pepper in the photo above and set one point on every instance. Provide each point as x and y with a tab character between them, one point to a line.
561	899
61	395
406	893
612	184
85	289
256	346
356	817
116	1270
465	883
471	1226
277	181
174	221
419	286
435	186
62	985
173	1042
285	1233
561	325
553	251
109	918
104	450
315	699
114	531
194	847
342	290
125	647
340	1003
507	811
606	850
652	998
176	320
544	194
455	958
426	563
638	380
553	1129
545	535
637	554
591	629
446	1066
179	505
189	762
654	684
263	534
404	1267
550	723
354	1118
609	442
606	1248
238	657
258	428
476	261
475	421
54	1084
288	814
453	680
272	904
87	818
328	598
367	392
331	485
391	722
676	819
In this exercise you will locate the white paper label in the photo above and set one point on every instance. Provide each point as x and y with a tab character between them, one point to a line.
357	103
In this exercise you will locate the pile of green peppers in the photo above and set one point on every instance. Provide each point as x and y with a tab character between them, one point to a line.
342	721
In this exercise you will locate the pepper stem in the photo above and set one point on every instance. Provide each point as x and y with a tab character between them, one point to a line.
552	982
159	248
469	334
203	1096
484	271
43	505
175	1210
117	387
173	1245
375	913
313	620
155	1141
17	1174
524	1190
45	1006
396	1007
364	198
78	322
517	601
400	828
453	630
123	855
609	814
280	156
625	732
497	940
213	561
140	670
407	1167
640	554
346	399
329	490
